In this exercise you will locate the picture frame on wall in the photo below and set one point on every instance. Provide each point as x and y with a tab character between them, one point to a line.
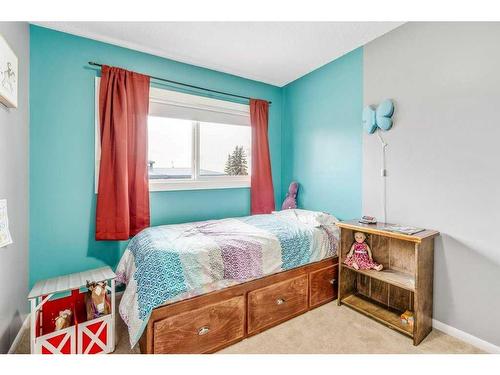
5	237
8	75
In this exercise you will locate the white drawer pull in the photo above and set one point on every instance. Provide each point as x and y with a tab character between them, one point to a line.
203	331
280	301
333	281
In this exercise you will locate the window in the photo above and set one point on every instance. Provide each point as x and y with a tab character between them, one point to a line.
224	149
194	142
169	149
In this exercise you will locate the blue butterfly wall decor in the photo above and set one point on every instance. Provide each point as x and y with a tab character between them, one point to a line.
378	118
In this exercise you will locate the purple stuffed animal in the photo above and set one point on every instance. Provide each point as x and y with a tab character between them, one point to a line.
291	197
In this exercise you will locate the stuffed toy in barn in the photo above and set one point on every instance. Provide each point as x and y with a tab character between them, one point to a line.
63	320
96	301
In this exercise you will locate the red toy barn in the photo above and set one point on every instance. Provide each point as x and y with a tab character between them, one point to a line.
82	336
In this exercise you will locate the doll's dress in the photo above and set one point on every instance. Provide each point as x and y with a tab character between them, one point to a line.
360	257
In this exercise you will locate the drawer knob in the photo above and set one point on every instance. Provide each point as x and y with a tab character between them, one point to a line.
333	281
203	331
280	301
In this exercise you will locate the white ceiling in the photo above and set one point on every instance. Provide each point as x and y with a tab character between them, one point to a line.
272	52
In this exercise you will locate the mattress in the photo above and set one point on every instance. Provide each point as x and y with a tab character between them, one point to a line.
169	263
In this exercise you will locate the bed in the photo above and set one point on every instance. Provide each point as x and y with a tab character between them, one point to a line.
198	287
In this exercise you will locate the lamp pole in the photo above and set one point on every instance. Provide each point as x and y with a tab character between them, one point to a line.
383	174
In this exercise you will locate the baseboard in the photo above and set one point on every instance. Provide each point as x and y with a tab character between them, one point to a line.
466	337
15	343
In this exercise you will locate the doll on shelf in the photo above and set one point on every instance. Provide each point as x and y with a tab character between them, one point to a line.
360	255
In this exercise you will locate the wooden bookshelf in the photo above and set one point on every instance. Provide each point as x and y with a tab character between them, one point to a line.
405	283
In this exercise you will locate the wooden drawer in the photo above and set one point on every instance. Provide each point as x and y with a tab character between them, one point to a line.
202	330
276	303
323	285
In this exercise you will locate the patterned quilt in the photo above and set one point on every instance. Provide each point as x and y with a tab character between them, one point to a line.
169	263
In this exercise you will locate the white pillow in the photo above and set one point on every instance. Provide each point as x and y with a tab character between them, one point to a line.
313	218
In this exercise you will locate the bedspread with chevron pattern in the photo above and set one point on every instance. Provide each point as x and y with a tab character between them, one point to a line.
169	263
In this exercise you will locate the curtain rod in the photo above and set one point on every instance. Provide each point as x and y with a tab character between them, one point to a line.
187	85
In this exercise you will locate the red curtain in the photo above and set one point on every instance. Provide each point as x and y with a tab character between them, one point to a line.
123	191
261	192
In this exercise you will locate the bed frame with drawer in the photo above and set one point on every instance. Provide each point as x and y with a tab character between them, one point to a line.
212	321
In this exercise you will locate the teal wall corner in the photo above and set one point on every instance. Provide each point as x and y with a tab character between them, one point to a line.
322	136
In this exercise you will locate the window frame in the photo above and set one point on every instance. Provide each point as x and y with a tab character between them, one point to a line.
196	182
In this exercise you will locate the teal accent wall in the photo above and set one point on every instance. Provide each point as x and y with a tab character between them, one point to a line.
315	135
322	136
62	199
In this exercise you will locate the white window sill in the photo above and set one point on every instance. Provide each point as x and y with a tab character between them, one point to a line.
176	185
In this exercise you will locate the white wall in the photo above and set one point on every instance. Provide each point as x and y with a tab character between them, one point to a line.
14	187
443	157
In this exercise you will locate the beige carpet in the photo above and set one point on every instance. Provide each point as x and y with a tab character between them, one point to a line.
329	329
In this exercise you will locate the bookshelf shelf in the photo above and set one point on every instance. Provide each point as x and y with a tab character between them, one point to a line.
390	276
377	229
378	312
